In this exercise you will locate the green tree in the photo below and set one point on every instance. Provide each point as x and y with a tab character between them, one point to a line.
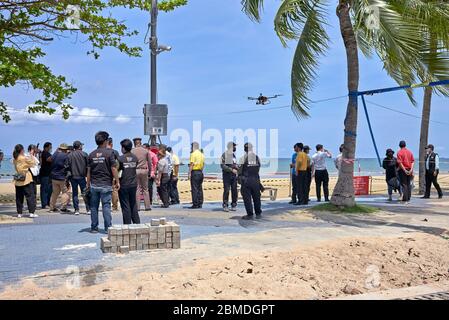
369	25
26	26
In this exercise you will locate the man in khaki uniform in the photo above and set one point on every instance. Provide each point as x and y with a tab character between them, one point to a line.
143	167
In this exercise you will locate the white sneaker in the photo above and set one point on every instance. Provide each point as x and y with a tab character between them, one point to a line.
77	212
33	215
19	216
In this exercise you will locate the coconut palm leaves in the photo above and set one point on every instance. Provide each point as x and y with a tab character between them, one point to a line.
400	37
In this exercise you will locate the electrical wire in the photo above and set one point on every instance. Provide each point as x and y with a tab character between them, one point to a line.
403	113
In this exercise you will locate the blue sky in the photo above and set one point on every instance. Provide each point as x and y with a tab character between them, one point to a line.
219	58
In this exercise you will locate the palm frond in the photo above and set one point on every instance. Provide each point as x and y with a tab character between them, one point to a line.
305	21
252	8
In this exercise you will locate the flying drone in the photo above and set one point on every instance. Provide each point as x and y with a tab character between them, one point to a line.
264	100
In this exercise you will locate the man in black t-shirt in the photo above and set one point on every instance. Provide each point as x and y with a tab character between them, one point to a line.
101	172
128	183
44	175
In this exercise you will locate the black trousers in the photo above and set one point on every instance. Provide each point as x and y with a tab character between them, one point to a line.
406	185
294	187
301	181
309	182
127	197
150	188
230	184
432	179
173	189
322	178
251	194
28	193
196	184
163	190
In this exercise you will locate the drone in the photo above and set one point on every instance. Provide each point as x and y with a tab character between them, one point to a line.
263	100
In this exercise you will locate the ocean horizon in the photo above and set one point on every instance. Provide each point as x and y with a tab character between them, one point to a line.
270	167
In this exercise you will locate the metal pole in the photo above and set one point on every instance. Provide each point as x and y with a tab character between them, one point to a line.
153	53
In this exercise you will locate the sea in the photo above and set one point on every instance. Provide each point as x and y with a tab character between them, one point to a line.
271	168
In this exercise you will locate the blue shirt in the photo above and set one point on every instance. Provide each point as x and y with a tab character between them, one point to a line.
294	162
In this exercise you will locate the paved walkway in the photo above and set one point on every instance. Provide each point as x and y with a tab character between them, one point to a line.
46	247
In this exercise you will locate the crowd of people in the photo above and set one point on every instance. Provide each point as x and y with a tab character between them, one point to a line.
103	176
149	174
399	172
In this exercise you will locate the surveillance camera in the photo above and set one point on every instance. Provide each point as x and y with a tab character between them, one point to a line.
164	48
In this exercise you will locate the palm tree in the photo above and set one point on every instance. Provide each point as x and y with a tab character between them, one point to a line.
435	14
393	37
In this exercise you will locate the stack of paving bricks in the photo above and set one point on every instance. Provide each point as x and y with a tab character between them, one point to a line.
159	234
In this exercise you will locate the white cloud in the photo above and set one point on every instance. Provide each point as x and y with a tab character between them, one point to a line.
77	116
122	119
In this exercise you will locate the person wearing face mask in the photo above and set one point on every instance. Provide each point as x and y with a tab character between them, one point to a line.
390	164
432	171
229	170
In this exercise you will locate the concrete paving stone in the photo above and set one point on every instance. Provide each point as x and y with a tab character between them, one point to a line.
168	240
153	246
161	246
175	228
114	249
163	221
124	249
105	243
125	229
155	222
169	245
146	246
152	241
176	245
132	248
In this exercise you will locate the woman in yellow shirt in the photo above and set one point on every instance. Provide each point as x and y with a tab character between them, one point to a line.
23	181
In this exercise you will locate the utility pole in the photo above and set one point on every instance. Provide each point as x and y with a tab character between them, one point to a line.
153	51
155	123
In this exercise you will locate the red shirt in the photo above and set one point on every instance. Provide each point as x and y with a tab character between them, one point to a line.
405	157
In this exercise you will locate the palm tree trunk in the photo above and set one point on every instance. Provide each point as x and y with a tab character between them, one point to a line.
343	194
424	137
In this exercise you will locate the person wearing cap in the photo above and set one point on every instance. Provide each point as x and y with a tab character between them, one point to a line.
58	179
101	174
77	173
173	190
390	164
143	169
128	183
432	171
321	174
114	191
251	188
196	177
229	169
406	162
163	177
